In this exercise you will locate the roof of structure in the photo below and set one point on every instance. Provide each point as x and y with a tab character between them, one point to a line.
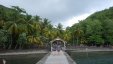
58	39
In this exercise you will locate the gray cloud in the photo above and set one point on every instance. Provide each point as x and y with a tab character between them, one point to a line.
59	10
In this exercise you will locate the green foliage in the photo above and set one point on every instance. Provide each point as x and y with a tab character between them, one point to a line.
3	38
22	40
97	28
96	38
24	30
20	30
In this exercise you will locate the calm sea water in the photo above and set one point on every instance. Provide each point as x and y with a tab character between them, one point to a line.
92	57
23	59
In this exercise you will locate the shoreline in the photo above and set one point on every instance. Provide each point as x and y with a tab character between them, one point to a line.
89	49
22	52
35	51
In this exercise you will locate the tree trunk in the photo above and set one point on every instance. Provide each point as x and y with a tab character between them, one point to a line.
10	45
77	40
16	46
4	46
20	46
73	42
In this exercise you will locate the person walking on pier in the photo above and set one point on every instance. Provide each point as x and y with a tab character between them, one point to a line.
58	48
54	49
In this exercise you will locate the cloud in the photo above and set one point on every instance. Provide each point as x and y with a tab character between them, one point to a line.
75	19
60	11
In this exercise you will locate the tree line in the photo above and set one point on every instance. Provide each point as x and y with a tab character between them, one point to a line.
19	30
95	30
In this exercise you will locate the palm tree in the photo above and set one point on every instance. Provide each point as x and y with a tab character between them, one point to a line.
18	10
48	33
15	27
36	27
33	39
67	36
12	28
43	25
60	30
3	38
33	35
1	24
78	33
22	40
28	24
46	22
83	41
37	18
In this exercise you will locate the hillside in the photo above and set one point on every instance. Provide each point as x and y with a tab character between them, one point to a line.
97	29
101	15
6	13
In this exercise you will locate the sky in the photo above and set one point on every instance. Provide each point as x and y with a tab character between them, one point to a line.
66	12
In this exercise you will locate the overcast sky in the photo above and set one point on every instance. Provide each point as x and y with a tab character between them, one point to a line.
66	12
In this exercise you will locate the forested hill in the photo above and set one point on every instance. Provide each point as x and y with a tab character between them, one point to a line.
102	15
5	13
19	30
3	7
97	29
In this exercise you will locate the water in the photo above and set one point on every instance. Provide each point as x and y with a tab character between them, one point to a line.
23	59
92	57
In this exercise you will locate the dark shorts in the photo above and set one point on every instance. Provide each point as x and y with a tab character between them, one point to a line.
53	49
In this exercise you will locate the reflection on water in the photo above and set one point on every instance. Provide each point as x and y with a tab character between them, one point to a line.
23	59
92	57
